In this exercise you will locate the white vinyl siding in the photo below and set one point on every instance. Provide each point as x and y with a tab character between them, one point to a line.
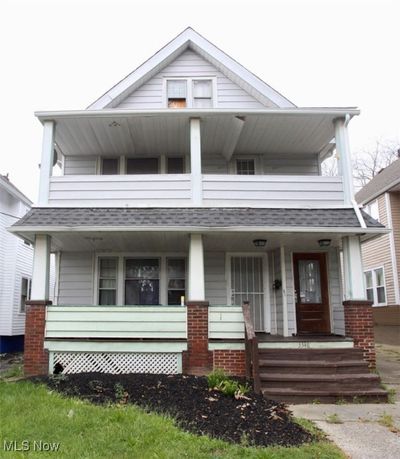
15	263
215	278
76	272
189	64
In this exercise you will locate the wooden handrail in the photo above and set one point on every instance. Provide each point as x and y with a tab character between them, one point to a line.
251	349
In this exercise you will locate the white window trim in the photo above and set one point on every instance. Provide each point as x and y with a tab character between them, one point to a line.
24	276
189	89
121	272
374	286
367	208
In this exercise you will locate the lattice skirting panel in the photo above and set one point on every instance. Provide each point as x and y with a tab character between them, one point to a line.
115	362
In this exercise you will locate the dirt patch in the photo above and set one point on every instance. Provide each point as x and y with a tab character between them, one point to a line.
252	420
10	361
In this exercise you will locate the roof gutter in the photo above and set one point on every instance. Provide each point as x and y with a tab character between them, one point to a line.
107	113
381	191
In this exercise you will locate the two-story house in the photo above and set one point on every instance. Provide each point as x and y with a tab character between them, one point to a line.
188	188
16	258
381	256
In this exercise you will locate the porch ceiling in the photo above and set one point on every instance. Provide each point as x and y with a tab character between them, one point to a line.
178	242
123	132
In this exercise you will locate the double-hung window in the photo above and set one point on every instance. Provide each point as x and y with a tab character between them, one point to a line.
142	281
176	271
375	286
373	209
108	281
245	167
190	93
109	166
25	293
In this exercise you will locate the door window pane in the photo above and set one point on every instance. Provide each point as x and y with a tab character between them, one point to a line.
175	165
309	281
108	281
142	166
142	281
176	268
110	166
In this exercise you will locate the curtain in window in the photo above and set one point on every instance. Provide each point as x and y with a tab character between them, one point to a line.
310	281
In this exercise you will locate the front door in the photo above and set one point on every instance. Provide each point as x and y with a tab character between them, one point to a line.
311	292
247	284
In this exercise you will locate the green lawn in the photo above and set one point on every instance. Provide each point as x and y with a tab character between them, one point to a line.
33	413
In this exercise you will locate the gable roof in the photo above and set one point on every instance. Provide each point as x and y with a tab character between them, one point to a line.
386	180
13	190
189	38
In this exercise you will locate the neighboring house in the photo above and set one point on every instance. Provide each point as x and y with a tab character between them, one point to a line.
16	257
188	188
381	256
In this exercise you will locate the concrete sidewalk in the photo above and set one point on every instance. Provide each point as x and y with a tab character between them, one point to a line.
357	429
364	431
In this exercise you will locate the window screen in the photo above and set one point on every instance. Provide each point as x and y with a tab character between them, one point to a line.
142	166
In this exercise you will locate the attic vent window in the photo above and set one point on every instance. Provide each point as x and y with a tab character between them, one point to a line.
176	93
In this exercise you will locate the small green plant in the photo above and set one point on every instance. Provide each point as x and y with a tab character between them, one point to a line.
386	420
341	401
391	393
334	419
316	402
120	394
216	377
228	387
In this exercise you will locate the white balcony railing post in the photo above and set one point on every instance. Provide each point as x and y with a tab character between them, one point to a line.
195	161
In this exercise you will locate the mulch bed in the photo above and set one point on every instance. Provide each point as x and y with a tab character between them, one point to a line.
253	420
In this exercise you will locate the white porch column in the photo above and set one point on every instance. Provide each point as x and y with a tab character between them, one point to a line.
196	291
284	293
195	161
354	288
41	268
344	159
46	164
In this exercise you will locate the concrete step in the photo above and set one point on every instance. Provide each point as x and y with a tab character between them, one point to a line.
313	366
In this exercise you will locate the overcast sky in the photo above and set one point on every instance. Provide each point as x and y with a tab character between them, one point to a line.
58	54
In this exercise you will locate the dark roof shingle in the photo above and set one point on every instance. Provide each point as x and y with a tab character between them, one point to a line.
189	217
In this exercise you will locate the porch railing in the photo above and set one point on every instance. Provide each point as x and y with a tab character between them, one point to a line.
251	349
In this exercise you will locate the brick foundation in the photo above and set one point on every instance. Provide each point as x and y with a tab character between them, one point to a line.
359	325
36	359
231	361
197	356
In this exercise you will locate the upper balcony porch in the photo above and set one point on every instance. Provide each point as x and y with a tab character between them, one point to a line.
165	158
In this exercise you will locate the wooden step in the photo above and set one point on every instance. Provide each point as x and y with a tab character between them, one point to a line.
324	396
311	354
314	366
328	381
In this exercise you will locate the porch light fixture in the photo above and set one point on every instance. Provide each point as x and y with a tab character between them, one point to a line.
324	242
114	124
259	242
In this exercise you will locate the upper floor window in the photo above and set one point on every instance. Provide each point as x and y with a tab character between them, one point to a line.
175	165
375	286
25	293
245	166
373	209
177	93
190	92
202	94
110	166
142	166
